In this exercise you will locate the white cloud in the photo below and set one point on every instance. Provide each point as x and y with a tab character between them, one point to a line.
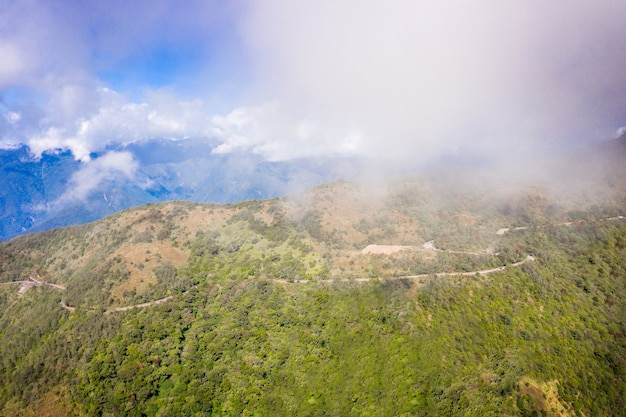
114	120
92	173
54	54
12	117
11	65
54	138
268	130
417	78
405	80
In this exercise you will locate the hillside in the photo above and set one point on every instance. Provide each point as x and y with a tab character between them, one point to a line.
55	190
443	295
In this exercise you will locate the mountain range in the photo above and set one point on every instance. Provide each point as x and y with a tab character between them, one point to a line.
39	193
461	292
55	190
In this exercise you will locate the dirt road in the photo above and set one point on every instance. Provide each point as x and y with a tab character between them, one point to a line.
126	308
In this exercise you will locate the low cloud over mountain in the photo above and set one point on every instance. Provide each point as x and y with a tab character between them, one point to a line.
401	85
405	82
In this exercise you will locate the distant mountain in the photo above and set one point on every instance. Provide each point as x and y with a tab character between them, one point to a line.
27	185
34	192
49	192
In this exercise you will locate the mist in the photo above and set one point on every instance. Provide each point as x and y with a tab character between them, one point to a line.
405	82
411	81
400	87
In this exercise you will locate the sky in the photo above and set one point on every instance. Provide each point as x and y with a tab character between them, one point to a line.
404	81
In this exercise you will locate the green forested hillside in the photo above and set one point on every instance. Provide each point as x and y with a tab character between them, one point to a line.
273	308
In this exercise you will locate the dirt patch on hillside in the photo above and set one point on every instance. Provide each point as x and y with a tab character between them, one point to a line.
384	249
203	217
542	398
52	404
140	260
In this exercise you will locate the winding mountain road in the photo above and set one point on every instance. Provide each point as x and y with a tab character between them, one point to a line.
529	258
36	280
126	308
25	285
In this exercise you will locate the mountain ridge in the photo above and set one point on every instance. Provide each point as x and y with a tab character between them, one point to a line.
36	193
181	308
40	193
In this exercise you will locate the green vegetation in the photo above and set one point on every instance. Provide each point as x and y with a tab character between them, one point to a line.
242	335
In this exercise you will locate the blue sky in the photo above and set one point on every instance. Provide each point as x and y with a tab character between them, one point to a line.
403	80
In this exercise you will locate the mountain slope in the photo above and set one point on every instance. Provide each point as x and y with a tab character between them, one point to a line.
55	190
278	307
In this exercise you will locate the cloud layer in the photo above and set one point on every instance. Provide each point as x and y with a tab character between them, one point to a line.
417	78
404	80
117	121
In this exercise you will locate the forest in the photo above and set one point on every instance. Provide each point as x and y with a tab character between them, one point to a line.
275	310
